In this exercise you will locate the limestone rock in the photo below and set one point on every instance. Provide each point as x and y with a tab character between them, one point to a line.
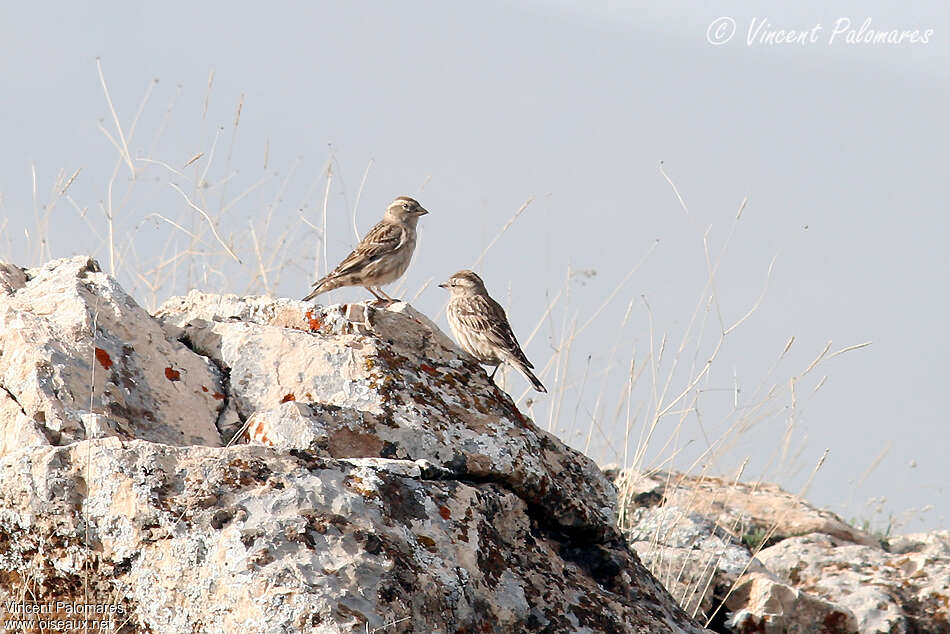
742	508
697	561
763	605
250	539
936	543
74	343
387	486
12	278
703	539
360	381
894	593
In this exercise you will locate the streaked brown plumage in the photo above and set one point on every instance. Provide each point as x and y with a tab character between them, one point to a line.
382	256
481	327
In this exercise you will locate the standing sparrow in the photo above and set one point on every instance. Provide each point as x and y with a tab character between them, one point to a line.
382	256
481	327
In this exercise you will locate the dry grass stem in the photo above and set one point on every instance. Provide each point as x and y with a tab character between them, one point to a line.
124	147
210	222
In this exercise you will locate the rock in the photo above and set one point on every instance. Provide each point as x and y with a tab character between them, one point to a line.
746	510
709	533
250	539
16	428
763	605
12	278
936	543
360	381
75	344
895	593
697	561
387	486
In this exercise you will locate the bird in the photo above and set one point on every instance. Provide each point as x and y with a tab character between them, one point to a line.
481	327
382	256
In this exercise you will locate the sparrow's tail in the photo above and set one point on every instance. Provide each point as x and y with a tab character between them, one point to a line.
322	285
528	374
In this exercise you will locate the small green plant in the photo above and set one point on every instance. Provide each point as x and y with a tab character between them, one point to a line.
882	535
754	537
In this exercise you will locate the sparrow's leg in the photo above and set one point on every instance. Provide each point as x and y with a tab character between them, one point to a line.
375	294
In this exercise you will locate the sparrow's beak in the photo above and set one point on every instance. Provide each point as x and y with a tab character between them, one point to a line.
443	285
421	212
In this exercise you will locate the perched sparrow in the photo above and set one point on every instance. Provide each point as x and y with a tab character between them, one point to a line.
382	256
481	327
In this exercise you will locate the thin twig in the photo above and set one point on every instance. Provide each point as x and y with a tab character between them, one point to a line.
205	215
497	237
115	117
359	194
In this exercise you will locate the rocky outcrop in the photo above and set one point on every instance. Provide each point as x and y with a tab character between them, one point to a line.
256	465
902	591
353	380
749	557
81	358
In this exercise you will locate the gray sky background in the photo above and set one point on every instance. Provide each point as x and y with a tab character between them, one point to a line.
840	149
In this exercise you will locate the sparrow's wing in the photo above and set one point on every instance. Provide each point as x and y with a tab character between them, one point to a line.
485	316
381	240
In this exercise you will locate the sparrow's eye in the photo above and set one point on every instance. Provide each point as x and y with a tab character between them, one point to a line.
405	206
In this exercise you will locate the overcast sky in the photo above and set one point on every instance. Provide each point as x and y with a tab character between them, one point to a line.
838	145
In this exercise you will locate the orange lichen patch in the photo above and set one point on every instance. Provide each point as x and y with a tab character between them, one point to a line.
219	396
257	434
313	322
445	512
288	397
425	367
172	374
103	358
204	389
358	484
